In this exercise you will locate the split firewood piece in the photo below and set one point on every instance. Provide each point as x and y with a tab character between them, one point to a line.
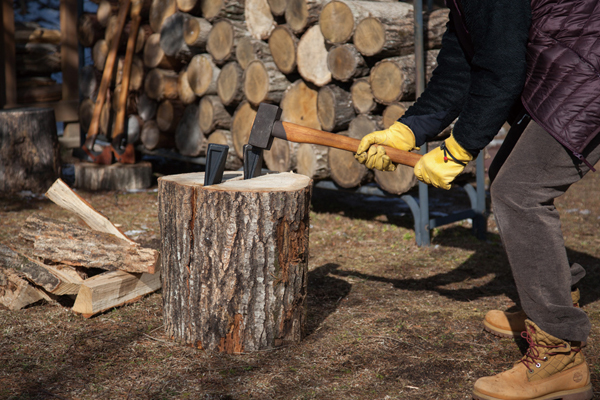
172	37
279	157
195	33
184	90
112	289
223	40
248	274
301	14
168	115
152	138
345	63
227	9
263	82
224	137
203	74
189	139
283	44
230	86
146	107
345	170
250	49
259	20
312	57
334	108
70	244
159	11
89	29
62	195
392	79
299	105
241	125
277	7
53	279
312	161
16	293
212	115
161	84
155	57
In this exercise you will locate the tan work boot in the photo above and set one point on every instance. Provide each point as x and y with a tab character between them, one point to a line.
511	324
551	369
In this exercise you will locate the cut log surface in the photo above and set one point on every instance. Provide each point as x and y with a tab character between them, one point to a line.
159	11
189	139
228	9
259	20
224	137
168	115
212	115
184	90
301	14
203	74
29	150
263	82
244	284
152	138
161	84
37	35
89	29
134	128
279	157
396	182
71	244
299	105
155	57
345	170
364	124
362	96
146	107
105	10
334	108
195	32
112	289
345	63
312	57
392	113
312	161
189	6
99	54
15	292
223	40
91	176
278	7
230	84
283	44
250	49
393	79
172	37
241	125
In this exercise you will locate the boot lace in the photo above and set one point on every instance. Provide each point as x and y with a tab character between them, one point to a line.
533	355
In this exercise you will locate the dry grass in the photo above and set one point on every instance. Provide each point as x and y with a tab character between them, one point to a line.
386	319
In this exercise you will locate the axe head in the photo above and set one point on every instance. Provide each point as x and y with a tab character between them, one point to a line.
261	135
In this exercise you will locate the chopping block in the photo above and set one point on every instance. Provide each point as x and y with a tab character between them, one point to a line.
234	260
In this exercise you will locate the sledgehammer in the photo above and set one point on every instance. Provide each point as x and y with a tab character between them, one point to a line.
267	126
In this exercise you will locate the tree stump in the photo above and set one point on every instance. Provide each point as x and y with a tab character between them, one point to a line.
235	260
29	150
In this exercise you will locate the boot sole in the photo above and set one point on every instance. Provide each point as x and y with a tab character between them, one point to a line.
500	332
584	393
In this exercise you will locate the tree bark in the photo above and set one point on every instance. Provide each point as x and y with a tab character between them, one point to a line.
161	84
301	14
212	115
15	292
29	150
224	137
241	125
155	57
263	82
37	59
213	10
184	90
259	20
89	30
223	40
312	161
152	138
168	115
346	63
189	139
334	108
312	57
230	84
203	75
283	44
250	49
195	33
91	176
393	79
159	11
251	269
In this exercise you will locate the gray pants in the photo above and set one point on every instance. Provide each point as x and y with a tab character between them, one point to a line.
536	171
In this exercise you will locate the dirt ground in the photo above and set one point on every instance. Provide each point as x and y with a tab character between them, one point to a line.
386	319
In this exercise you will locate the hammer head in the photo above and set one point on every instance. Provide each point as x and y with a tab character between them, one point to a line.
261	134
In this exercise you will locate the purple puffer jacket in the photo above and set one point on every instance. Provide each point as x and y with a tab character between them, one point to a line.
562	90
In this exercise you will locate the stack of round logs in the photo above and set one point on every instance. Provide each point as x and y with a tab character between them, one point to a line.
202	67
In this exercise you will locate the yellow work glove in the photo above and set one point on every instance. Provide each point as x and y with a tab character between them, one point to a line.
398	136
441	165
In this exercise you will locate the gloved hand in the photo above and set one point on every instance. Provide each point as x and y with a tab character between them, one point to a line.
398	136
441	165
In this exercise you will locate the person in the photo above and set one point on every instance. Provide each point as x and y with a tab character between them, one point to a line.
517	60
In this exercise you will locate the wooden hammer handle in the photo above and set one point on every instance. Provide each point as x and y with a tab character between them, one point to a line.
301	134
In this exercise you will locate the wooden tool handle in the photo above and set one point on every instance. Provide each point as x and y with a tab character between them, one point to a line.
301	134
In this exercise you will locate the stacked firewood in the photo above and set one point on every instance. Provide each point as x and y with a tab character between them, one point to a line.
95	265
203	66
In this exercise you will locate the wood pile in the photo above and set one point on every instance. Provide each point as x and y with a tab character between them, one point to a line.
202	68
96	265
